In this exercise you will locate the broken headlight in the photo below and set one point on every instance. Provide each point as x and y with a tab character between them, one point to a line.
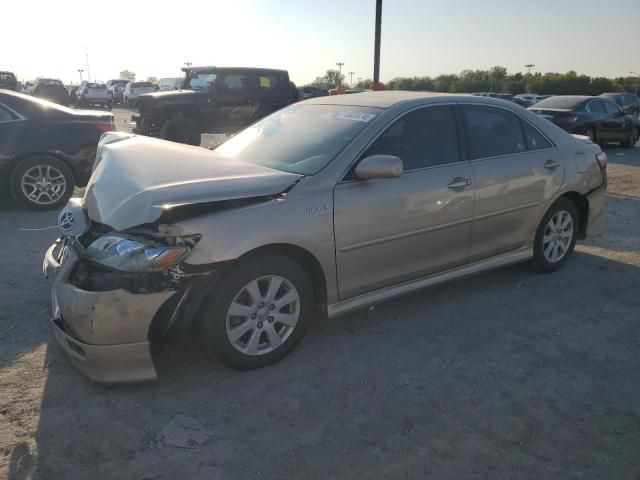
133	254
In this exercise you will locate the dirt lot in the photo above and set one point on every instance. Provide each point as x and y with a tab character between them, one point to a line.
505	375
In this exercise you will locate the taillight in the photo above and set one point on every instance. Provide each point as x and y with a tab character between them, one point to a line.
105	127
601	158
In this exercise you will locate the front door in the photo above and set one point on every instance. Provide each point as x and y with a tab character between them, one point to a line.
517	171
388	231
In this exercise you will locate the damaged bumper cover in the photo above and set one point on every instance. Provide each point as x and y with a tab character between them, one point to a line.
106	334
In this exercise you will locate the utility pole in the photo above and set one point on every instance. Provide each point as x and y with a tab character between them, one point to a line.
529	66
80	72
188	64
88	71
339	65
637	83
376	47
351	74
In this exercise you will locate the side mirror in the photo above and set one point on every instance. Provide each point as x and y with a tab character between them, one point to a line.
379	166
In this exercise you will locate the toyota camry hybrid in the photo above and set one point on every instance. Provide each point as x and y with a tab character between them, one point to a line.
320	208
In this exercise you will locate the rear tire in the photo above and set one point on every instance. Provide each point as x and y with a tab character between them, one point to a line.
556	236
591	133
242	329
42	183
181	130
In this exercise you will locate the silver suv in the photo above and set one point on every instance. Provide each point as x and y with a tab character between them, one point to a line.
323	207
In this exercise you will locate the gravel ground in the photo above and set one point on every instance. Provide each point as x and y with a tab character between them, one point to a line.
505	375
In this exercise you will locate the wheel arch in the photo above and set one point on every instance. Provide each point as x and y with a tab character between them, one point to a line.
57	155
171	111
306	260
582	204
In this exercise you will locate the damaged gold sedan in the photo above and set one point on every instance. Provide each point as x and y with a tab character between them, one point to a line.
323	207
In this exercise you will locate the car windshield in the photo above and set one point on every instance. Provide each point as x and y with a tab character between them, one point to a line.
142	84
560	102
299	139
201	80
96	85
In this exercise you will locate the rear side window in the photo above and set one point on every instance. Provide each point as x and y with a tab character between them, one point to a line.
271	83
535	140
611	107
492	132
6	115
422	138
234	81
597	106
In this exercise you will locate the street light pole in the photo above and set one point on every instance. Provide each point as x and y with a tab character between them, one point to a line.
351	74
339	65
529	66
80	72
376	47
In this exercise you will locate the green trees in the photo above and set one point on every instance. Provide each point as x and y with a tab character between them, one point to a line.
331	79
128	75
497	79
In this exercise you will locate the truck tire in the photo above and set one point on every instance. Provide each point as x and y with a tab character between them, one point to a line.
181	130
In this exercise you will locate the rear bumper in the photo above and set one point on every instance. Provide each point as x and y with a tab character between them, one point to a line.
104	334
596	199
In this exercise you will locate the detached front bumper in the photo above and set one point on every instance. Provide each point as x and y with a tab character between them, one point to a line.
104	333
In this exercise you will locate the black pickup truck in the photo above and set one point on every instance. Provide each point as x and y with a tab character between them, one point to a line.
213	99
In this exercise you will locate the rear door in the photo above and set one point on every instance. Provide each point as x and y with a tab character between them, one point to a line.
14	131
517	171
602	119
393	230
234	105
270	92
616	121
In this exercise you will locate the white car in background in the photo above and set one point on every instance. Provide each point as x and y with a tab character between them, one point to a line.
170	84
134	89
529	98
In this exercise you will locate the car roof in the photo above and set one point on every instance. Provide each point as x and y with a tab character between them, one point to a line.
248	69
389	98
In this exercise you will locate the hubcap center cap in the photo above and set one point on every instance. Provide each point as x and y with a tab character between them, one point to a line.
263	313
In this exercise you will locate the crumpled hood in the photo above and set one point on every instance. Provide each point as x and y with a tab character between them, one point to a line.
136	178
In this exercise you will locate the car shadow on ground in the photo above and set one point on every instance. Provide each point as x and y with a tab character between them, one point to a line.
497	374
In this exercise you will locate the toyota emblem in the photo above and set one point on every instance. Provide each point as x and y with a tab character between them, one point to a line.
67	221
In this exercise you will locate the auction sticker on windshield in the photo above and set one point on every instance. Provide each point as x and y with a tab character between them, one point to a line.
357	116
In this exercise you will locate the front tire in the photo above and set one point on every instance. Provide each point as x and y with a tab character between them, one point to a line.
42	183
181	130
258	312
556	236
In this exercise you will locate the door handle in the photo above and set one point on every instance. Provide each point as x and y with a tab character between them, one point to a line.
551	164
459	182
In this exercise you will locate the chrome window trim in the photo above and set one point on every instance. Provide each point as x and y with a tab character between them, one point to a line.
553	145
20	117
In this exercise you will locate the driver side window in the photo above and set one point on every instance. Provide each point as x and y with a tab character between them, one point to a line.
426	137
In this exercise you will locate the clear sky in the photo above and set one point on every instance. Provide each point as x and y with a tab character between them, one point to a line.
419	37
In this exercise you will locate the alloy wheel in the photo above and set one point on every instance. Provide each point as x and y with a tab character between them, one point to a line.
263	315
557	237
43	184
